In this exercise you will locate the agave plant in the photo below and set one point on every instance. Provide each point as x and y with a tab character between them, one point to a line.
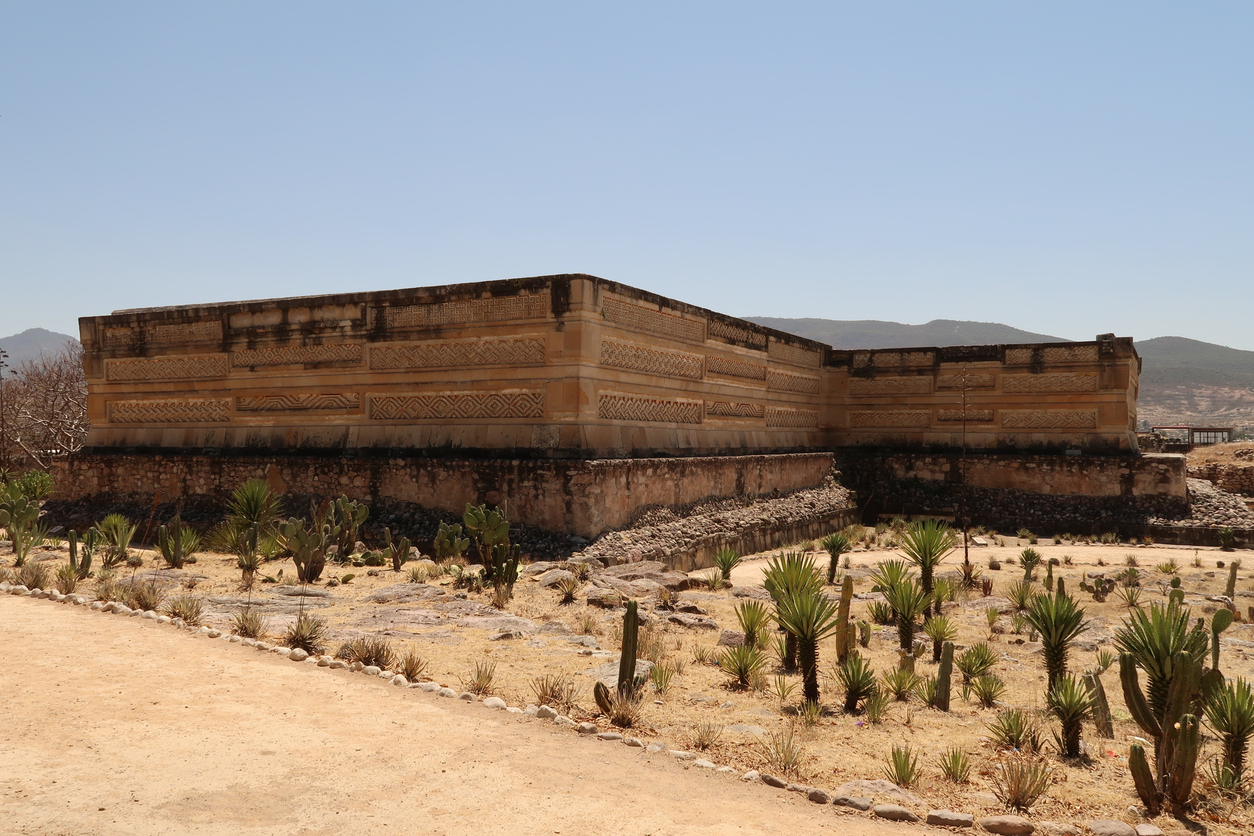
1071	702
890	573
835	545
909	601
1058	620
115	532
1230	712
939	629
1153	635
810	616
788	574
754	620
926	543
857	677
742	663
726	559
976	661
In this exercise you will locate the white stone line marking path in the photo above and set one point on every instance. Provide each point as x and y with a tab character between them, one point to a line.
118	725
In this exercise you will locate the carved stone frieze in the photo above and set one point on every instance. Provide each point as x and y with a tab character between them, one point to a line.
862	386
293	403
506	404
726	409
794	354
170	411
727	367
1032	383
723	330
178	367
1052	354
297	355
485	352
979	416
623	407
651	360
802	419
894	419
653	321
466	311
788	382
1048	419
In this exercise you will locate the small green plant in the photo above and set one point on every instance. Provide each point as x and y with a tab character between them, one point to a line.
1169	567
1230	712
955	765
1072	703
481	679
1059	621
115	532
177	543
661	677
976	661
1026	534
1021	594
835	545
412	666
903	767
783	751
248	623
1019	782
927	689
190	608
899	683
725	560
875	707
449	541
555	691
1015	729
307	633
588	625
144	596
420	573
880	612
623	710
856	676
782	689
1129	596
987	690
369	651
991	615
755	619
568	587
1227	539
742	663
714	580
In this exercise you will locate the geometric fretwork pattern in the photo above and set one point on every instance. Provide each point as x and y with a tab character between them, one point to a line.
639	358
655	322
466	311
298	355
527	403
786	382
791	418
193	411
175	334
978	415
1041	419
660	410
726	331
486	352
735	368
792	354
890	419
859	386
1029	383
1053	354
186	367
965	381
284	403
734	410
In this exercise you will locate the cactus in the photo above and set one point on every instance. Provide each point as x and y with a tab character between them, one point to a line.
944	675
1220	621
487	528
1061	586
1049	576
502	570
1101	707
1176	733
864	633
170	542
1100	588
1230	591
843	635
345	516
905	660
627	684
398	551
309	547
1176	597
82	569
449	541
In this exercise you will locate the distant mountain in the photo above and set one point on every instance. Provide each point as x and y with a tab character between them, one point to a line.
1183	381
874	333
29	344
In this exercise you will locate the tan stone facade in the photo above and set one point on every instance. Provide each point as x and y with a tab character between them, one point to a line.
570	366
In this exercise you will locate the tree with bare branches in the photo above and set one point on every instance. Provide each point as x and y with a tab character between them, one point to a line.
43	408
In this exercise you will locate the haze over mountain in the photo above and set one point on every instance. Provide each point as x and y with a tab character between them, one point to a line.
875	333
29	344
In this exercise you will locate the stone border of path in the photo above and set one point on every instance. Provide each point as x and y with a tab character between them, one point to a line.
845	797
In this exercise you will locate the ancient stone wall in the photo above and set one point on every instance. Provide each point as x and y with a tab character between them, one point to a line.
571	367
1236	478
584	497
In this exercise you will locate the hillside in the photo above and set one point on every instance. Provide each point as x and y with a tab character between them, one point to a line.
1182	380
30	344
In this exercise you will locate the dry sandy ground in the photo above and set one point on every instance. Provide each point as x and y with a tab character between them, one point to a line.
118	726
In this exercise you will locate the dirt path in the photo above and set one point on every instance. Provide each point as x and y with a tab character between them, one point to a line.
117	726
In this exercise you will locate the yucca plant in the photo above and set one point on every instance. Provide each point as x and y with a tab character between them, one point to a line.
248	623
880	612
810	617
875	707
569	587
787	575
67	579
939	629
1019	782
308	633
660	676
481	679
909	601
1021	594
1015	729
955	765
899	683
726	559
903	766
1129	596
1059	620
623	709
248	557
144	596
754	620
742	663
412	665
1153	635
927	689
1030	558
987	690
115	532
714	579
1230	713
835	544
190	608
976	661
1072	703
856	676
926	543
890	573
705	735
783	751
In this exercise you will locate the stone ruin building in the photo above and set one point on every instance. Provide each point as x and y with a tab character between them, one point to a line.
576	401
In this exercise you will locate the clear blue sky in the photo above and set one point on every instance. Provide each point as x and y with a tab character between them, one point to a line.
1067	168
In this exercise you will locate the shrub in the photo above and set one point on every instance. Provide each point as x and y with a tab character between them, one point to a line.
899	684
248	624
1015	729
725	560
783	751
1227	539
106	586
418	574
555	691
754	618
308	633
190	608
1021	594
714	579
34	576
67	579
705	735
875	707
742	663
955	765
987	690
624	709
975	661
1018	783
1129	596
115	532
412	665
927	689
1071	702
369	650
903	767
144	596
857	677
880	612
569	588
661	676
